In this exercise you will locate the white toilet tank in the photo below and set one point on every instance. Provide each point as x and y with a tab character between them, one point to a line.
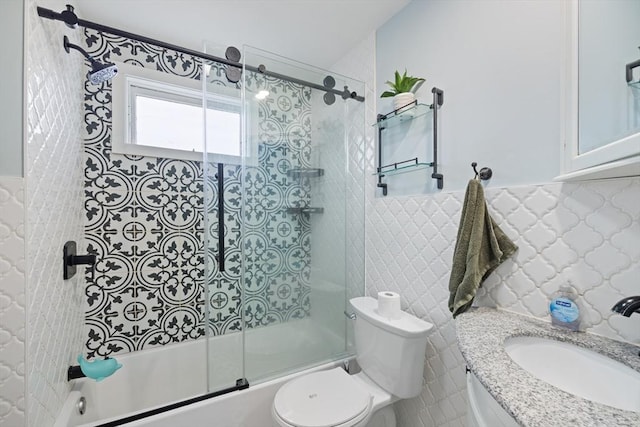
390	352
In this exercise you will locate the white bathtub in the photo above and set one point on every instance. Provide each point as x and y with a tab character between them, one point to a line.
154	378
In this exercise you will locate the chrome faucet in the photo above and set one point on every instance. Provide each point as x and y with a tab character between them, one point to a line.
627	306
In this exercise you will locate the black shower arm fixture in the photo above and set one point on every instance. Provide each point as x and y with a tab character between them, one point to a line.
68	45
69	17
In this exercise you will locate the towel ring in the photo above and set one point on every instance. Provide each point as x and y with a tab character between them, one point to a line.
484	174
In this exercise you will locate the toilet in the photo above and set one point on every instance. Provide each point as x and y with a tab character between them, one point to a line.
391	356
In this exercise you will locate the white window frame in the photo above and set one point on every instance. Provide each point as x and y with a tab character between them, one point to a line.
134	80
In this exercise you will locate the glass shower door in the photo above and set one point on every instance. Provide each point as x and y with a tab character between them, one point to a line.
302	215
222	217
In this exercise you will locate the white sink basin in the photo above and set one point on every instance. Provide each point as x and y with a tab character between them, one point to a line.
578	371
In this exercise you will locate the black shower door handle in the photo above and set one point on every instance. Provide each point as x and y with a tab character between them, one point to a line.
220	177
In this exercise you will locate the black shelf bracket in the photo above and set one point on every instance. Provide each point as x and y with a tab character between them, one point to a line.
438	100
629	69
380	119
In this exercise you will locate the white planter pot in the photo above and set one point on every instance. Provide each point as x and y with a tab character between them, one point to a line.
403	99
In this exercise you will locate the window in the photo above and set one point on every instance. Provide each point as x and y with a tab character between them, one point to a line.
157	114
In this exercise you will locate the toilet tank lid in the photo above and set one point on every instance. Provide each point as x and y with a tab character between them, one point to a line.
406	326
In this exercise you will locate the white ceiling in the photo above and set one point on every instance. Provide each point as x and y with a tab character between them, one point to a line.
317	32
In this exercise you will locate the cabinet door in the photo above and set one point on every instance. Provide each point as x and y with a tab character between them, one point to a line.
602	128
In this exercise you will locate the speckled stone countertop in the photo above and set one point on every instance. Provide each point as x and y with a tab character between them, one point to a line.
532	402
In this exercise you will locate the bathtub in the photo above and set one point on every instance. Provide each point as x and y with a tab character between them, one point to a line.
154	378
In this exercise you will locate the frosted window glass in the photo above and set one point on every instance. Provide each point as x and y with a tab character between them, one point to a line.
167	124
172	124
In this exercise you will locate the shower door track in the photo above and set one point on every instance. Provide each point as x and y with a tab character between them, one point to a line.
241	384
72	20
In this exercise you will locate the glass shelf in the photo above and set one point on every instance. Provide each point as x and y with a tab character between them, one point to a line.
304	210
305	172
396	170
401	115
396	117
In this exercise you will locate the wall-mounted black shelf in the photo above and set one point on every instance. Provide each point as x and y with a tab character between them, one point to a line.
305	172
403	167
305	210
403	114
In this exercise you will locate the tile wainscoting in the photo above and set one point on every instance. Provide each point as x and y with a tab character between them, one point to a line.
586	233
12	302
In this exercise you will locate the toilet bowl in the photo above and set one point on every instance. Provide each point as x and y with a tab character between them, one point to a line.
391	355
330	398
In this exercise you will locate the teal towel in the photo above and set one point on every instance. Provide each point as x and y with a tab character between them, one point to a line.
481	246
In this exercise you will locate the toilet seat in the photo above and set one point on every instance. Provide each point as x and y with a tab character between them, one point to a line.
322	399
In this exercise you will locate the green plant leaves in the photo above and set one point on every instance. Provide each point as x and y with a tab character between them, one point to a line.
402	83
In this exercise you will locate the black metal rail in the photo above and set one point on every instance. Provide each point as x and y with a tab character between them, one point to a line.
395	165
241	384
72	20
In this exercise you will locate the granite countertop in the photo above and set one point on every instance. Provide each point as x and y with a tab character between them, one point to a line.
532	402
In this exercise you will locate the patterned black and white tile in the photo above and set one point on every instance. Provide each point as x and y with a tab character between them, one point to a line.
153	224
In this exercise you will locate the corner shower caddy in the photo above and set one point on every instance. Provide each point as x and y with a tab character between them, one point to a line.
299	173
403	114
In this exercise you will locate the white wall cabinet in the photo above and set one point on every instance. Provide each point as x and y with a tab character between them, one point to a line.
602	123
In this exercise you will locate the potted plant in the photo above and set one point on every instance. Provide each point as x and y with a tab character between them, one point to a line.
403	89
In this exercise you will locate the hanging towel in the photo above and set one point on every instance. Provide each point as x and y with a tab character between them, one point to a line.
481	246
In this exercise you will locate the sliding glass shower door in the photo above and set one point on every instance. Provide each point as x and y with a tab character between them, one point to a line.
284	216
302	228
222	106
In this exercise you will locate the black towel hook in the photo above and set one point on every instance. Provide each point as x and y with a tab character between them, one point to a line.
484	174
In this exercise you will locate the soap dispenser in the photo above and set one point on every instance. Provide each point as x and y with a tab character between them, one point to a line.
564	311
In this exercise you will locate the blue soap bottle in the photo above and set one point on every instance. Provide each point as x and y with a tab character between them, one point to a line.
564	311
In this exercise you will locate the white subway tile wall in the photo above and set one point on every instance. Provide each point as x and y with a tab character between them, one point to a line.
12	302
585	233
54	190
